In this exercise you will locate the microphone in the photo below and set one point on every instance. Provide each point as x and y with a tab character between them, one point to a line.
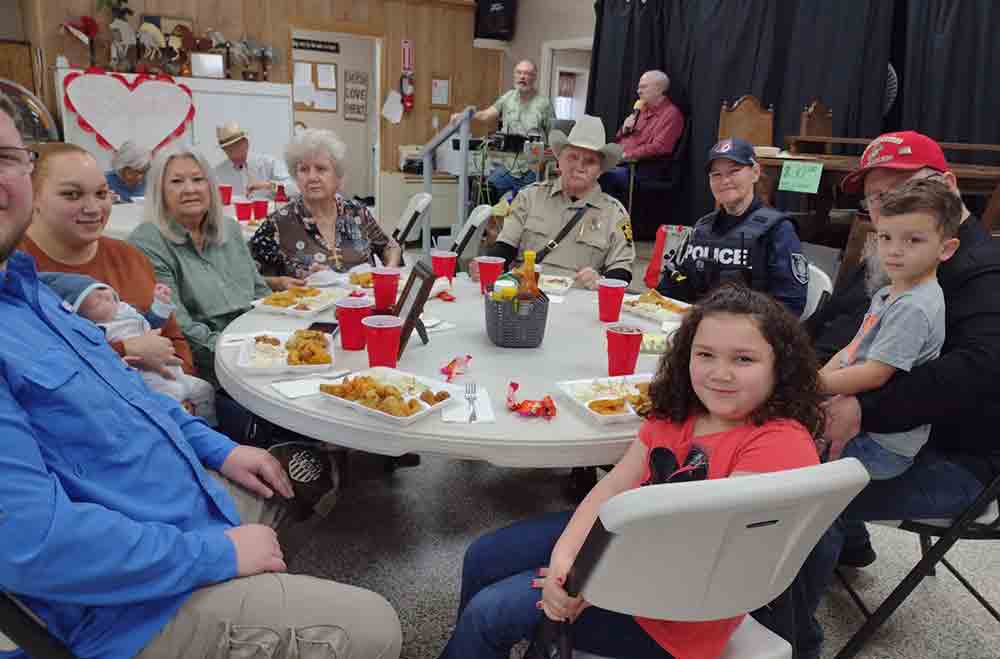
637	107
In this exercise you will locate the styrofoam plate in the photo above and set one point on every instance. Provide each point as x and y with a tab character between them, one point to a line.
405	381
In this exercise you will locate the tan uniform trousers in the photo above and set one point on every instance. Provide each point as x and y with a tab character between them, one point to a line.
276	615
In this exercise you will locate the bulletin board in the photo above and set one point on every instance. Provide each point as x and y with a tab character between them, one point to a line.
314	86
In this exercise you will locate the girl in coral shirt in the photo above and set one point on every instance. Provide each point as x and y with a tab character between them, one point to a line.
737	394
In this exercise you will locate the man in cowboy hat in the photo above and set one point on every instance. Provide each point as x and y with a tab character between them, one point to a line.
251	174
572	226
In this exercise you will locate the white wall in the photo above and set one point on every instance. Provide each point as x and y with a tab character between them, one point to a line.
356	53
546	20
12	24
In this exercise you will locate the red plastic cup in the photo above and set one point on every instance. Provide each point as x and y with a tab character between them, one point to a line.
610	293
382	337
244	209
350	312
385	281
490	267
280	195
226	194
624	342
260	209
444	263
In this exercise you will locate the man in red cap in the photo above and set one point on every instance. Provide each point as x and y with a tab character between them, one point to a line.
889	161
956	393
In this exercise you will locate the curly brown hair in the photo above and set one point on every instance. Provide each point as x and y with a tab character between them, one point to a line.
796	384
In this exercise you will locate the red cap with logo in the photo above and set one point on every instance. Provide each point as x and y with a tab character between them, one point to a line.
906	150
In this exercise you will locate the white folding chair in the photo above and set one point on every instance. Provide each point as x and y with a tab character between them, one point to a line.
819	283
472	231
711	549
411	216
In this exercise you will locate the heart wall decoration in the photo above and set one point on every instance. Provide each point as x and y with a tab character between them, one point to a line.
149	110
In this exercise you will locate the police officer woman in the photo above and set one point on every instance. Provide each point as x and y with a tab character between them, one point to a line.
741	240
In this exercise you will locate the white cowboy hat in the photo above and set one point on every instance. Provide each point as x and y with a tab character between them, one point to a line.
588	133
229	133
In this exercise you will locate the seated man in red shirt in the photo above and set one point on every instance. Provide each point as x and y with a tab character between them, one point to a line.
651	131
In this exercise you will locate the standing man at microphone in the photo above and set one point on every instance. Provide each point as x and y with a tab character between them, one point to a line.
522	110
650	131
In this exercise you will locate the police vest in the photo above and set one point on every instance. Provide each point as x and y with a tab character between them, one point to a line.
740	254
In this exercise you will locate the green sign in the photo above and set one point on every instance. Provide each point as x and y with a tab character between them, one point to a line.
800	176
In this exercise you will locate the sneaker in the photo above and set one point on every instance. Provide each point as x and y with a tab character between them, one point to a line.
857	557
314	475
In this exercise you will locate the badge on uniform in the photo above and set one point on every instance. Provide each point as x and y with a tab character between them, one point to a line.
800	269
625	226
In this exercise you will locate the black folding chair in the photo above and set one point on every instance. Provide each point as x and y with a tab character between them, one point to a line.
975	523
26	631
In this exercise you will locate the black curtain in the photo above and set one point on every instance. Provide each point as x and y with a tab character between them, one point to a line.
951	79
838	52
784	52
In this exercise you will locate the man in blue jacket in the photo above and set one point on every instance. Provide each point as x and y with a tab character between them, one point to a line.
116	533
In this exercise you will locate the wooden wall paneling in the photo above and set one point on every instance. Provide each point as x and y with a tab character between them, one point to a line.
442	36
268	21
441	30
319	10
16	64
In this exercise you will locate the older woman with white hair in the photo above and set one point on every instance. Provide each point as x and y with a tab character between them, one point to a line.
196	251
319	229
127	177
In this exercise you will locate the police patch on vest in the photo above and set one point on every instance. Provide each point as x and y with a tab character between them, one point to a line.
625	226
800	268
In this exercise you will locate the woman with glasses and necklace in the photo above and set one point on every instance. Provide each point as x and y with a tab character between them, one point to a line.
741	240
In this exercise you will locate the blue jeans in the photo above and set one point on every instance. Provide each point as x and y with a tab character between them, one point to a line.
881	463
498	608
933	487
503	181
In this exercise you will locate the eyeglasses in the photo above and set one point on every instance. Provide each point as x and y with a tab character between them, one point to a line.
875	201
16	160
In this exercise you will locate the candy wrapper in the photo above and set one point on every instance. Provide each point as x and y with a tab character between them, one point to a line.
545	408
456	366
445	296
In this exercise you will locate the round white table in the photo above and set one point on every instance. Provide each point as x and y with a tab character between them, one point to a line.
574	348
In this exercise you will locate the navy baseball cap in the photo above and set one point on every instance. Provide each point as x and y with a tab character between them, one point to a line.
732	148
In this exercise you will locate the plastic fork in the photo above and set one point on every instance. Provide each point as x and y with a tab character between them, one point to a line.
470	398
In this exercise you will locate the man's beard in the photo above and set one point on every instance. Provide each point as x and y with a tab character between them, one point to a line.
10	243
875	275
